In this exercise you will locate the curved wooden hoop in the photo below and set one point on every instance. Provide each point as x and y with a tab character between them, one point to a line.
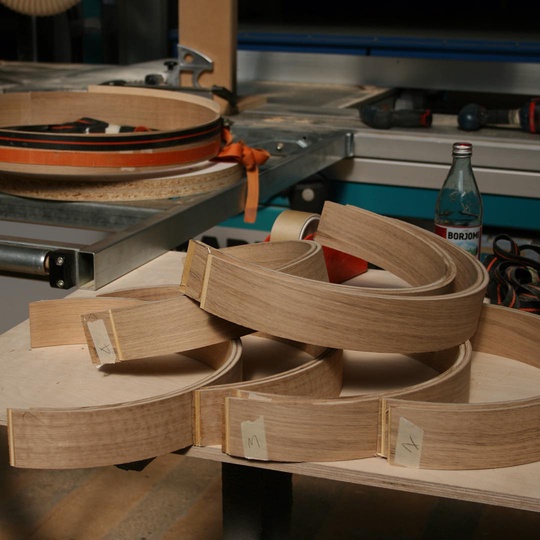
300	429
431	434
299	309
477	435
178	324
121	433
187	129
320	377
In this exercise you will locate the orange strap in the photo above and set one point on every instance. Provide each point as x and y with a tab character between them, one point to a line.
250	158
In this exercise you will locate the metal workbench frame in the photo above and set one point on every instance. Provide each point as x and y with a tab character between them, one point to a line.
137	233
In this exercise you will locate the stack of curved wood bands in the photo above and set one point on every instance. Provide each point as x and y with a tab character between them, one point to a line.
281	290
45	437
111	143
430	425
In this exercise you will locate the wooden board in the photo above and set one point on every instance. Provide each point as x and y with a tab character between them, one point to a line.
210	27
515	487
194	180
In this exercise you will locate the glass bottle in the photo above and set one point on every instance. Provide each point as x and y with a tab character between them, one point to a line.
459	209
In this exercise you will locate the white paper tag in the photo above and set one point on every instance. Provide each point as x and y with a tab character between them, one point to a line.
254	439
409	444
102	342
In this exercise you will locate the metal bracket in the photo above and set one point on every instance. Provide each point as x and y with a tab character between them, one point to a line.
188	60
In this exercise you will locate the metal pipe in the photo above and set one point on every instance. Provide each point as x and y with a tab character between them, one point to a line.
21	259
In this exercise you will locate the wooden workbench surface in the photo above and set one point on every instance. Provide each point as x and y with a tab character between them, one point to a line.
64	376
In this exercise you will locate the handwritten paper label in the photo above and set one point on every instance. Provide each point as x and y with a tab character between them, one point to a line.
254	439
102	342
409	444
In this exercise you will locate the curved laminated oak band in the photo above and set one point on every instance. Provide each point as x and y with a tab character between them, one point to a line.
301	429
58	322
477	435
414	429
422	318
319	378
177	323
183	129
119	433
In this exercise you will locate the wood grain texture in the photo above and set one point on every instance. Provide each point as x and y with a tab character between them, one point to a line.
304	259
64	438
168	113
58	322
295	308
480	435
157	328
177	324
210	28
320	377
300	429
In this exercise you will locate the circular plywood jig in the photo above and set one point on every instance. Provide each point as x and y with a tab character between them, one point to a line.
192	180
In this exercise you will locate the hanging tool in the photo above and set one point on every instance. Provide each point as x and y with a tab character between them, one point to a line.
378	118
473	117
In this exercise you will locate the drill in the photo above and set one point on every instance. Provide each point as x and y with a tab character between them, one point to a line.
472	117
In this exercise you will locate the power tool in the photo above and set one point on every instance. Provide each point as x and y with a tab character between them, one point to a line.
378	118
473	117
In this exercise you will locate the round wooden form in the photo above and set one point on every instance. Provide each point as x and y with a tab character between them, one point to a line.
41	429
435	313
192	180
301	429
410	430
186	129
321	377
177	323
93	436
478	435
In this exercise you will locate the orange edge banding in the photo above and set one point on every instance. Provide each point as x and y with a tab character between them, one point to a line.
104	159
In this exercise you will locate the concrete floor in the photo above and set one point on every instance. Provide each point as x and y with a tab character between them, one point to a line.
177	497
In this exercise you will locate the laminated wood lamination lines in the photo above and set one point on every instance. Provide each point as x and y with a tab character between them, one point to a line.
177	324
479	435
169	130
120	432
403	320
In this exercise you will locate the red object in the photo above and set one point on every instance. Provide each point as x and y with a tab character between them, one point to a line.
340	266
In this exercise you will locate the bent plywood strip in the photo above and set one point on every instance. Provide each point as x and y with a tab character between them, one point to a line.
300	429
76	437
58	322
298	309
320	377
177	324
183	129
477	435
152	329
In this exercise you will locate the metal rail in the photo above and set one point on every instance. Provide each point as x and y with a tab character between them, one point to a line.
138	233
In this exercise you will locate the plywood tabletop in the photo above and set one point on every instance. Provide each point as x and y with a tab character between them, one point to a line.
29	378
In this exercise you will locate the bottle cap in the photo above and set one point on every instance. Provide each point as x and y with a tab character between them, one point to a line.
462	149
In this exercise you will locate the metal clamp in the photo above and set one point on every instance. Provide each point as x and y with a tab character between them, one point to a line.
188	60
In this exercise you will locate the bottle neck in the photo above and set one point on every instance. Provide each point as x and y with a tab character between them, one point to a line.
461	171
